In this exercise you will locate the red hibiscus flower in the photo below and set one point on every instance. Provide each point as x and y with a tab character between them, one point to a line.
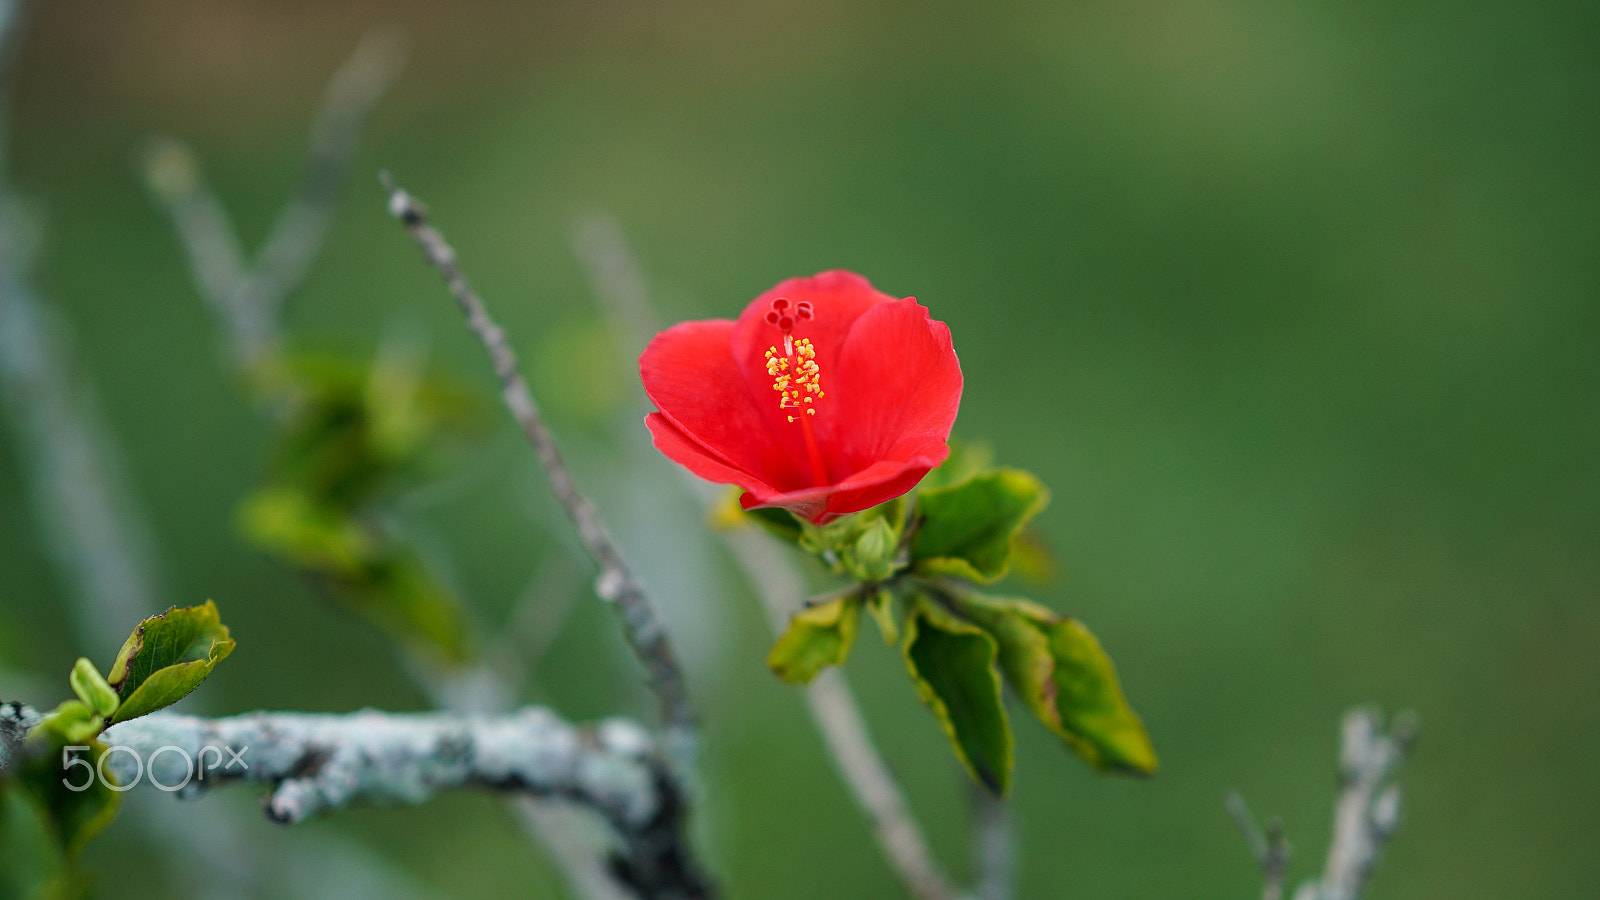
824	398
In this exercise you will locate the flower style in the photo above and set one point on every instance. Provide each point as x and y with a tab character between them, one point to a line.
826	396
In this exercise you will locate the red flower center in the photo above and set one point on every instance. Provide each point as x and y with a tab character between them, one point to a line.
796	377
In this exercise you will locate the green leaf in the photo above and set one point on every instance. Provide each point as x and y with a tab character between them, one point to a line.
819	636
952	665
91	687
1019	629
166	657
967	528
1031	558
1093	709
75	721
1065	679
356	424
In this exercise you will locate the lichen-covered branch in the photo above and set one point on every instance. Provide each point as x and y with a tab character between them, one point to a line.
316	763
641	621
15	722
1368	809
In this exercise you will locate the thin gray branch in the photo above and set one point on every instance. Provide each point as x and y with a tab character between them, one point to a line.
99	542
1267	846
303	223
994	840
1368	809
1365	815
536	619
216	257
844	730
248	304
249	299
641	622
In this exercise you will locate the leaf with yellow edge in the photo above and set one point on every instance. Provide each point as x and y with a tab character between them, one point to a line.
1093	710
1062	675
966	529
819	636
952	665
166	657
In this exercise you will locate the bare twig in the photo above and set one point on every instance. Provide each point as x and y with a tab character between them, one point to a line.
1368	809
488	687
302	226
99	541
535	621
857	758
249	300
1268	847
248	304
994	839
844	730
642	624
208	236
1364	817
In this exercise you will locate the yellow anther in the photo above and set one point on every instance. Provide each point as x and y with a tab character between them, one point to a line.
795	374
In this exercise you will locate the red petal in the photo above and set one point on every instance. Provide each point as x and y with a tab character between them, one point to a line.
808	503
837	299
883	481
692	455
690	375
896	389
880	482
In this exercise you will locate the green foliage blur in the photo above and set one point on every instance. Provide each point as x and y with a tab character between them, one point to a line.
1294	307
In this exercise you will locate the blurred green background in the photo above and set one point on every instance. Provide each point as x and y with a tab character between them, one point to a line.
1295	307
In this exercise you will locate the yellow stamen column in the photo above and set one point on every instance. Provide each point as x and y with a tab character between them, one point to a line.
797	379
